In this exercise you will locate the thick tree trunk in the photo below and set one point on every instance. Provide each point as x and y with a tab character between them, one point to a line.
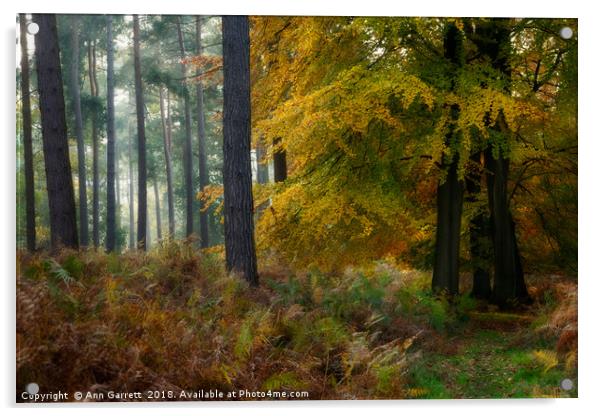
141	235
188	143
94	120
238	197
508	283
450	193
132	238
493	40
157	209
30	212
279	162
79	133
111	225
168	164
203	169
480	251
61	201
447	247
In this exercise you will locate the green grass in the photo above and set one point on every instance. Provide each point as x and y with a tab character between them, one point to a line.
488	365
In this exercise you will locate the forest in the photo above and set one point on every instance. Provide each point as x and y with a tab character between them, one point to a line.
294	208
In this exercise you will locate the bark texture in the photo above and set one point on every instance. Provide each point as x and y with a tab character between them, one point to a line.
30	210
203	168
142	220
61	200
188	140
165	121
84	234
238	197
111	223
450	193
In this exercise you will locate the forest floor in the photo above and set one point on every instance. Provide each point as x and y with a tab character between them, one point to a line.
492	364
172	321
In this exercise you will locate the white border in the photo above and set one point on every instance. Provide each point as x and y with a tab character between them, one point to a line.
590	97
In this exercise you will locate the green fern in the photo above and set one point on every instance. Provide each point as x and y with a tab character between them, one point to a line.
58	272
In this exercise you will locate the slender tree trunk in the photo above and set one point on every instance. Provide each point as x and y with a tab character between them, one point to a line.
111	225
279	162
117	200
79	133
188	143
141	236
203	169
61	200
148	233
480	251
95	178
263	175
262	169
157	209
30	209
450	193
168	165
132	239
238	196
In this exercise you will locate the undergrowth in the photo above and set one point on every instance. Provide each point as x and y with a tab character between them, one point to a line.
173	319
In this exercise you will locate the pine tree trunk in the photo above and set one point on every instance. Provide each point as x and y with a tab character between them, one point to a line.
238	197
203	169
262	169
95	178
141	234
117	200
132	239
168	164
79	133
148	233
279	162
446	271
111	225
27	139
188	143
263	175
157	209
61	200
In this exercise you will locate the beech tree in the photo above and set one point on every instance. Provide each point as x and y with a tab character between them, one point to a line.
493	39
238	197
449	193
